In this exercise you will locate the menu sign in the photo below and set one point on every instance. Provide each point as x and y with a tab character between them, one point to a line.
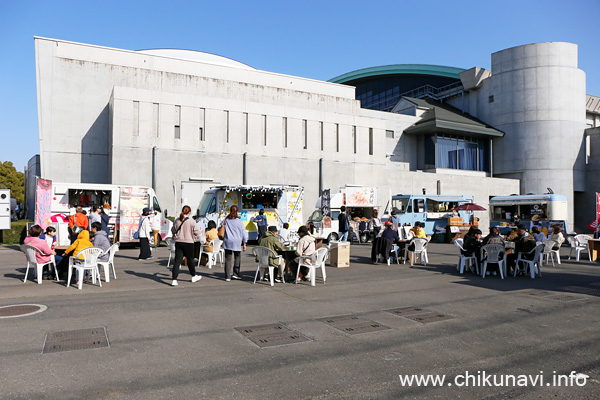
326	203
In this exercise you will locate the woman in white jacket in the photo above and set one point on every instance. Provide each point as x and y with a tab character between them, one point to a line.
144	233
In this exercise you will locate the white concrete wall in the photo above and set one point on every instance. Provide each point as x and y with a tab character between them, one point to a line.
116	105
539	103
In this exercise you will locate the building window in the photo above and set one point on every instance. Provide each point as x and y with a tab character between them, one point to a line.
155	122
245	126
457	152
491	99
337	138
264	126
389	134
136	118
285	132
177	122
370	141
201	134
354	137
305	133
322	135
201	130
227	125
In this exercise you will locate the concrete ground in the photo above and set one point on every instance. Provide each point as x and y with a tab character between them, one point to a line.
180	342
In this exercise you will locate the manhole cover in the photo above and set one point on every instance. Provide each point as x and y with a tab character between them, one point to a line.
21	310
272	335
429	317
352	324
404	311
80	339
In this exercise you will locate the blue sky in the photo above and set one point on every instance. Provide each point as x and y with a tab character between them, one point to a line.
312	39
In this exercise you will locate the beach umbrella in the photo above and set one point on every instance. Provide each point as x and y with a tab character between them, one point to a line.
470	207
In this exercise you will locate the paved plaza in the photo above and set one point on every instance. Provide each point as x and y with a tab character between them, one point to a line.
351	338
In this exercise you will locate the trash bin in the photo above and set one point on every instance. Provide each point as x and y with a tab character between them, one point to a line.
439	237
339	254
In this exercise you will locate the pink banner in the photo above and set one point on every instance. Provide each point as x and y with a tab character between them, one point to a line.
43	202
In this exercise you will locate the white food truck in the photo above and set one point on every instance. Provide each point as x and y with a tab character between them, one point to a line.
359	201
280	203
123	204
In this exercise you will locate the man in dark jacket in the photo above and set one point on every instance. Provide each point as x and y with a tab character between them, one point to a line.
524	243
270	241
100	239
343	225
472	245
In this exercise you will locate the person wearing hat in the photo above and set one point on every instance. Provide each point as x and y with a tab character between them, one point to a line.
270	241
390	233
144	233
306	247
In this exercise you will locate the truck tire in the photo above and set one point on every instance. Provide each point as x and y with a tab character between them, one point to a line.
332	236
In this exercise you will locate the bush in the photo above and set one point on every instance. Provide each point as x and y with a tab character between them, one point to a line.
16	234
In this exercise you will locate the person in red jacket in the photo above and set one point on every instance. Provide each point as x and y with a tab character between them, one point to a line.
77	223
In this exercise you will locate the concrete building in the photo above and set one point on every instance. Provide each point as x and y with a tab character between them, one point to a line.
115	116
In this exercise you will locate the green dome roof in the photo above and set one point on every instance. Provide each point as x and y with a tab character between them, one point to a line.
417	69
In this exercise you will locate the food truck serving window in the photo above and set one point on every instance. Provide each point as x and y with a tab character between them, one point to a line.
440	205
253	200
88	198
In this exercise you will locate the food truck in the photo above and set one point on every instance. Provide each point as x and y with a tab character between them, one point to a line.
432	210
359	201
540	210
280	203
123	204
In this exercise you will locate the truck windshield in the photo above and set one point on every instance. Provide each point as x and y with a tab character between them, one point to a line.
204	203
316	216
400	205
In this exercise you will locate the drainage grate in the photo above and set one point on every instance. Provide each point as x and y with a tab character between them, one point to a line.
353	325
404	311
555	296
80	339
21	310
429	317
272	335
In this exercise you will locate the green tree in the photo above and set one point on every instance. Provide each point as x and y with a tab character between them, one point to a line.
12	179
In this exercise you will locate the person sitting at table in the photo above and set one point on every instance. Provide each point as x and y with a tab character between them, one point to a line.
557	236
537	235
472	245
494	237
34	239
418	231
524	243
469	233
210	235
270	241
82	242
306	247
100	239
284	234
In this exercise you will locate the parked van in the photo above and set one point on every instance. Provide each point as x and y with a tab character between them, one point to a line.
281	204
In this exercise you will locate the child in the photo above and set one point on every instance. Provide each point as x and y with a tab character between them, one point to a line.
50	238
82	242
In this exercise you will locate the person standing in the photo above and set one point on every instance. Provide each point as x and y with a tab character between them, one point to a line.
395	220
103	219
344	227
93	217
261	223
234	242
77	223
185	231
144	235
156	227
375	223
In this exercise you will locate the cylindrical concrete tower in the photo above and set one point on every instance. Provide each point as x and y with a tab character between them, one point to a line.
536	96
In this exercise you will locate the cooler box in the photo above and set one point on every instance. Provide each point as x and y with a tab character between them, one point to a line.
339	254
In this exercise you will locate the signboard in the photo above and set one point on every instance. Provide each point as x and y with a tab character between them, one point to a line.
361	196
326	203
327	222
133	200
43	202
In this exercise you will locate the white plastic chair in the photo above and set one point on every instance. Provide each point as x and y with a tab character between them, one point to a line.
217	251
395	249
264	254
110	262
579	243
547	253
317	260
171	245
89	263
534	264
30	254
462	261
420	250
491	254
